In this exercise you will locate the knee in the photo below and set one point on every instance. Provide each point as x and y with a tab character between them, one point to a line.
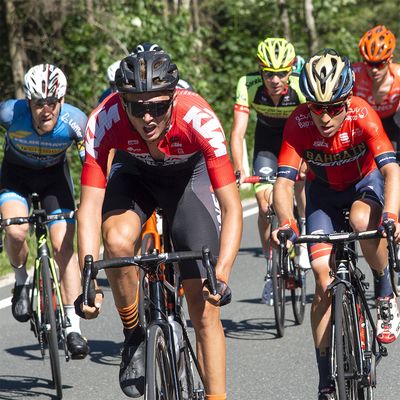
118	241
16	234
204	316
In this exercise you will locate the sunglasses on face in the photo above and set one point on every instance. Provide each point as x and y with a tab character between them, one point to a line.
138	109
331	109
279	74
377	65
49	101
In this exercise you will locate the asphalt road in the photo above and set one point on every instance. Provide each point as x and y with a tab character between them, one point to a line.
260	365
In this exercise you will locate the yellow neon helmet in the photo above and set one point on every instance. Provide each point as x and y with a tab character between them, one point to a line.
276	53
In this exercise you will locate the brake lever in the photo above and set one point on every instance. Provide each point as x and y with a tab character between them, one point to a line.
390	229
209	262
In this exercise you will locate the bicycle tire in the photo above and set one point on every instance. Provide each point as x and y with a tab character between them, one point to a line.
395	281
345	335
186	378
299	293
148	244
367	337
278	286
159	381
49	322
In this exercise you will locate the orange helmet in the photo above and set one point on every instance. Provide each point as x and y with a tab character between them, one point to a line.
377	44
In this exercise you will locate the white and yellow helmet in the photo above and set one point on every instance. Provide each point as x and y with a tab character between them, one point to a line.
276	54
326	77
43	81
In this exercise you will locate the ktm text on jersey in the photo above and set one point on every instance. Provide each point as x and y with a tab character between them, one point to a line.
194	127
340	161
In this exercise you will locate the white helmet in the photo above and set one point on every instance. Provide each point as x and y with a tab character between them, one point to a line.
111	71
43	81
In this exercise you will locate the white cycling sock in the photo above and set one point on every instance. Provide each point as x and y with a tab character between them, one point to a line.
74	319
21	276
303	226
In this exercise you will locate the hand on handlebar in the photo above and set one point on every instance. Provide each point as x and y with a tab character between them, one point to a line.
388	218
291	233
95	300
240	177
223	296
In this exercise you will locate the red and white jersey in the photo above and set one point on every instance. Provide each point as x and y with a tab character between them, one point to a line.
363	88
194	127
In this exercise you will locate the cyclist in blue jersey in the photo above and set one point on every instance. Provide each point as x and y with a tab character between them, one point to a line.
39	130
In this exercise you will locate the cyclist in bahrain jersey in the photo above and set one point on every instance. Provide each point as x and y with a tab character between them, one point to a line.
378	80
273	91
172	154
351	165
40	128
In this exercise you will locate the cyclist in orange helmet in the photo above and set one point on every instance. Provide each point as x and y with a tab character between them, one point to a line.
378	80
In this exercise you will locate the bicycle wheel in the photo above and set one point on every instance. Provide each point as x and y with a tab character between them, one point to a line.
395	281
143	306
159	382
299	293
278	286
365	391
185	371
50	325
345	346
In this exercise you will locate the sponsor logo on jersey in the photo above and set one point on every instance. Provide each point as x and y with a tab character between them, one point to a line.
176	144
317	157
206	123
133	142
74	125
320	143
344	137
98	123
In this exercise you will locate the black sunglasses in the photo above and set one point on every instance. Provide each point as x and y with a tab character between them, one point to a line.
139	109
331	109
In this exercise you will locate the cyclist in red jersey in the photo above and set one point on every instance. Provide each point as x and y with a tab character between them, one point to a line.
351	165
172	154
378	80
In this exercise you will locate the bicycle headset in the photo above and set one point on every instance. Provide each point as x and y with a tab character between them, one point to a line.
326	77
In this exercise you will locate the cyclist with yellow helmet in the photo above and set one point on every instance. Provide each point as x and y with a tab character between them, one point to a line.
378	80
273	91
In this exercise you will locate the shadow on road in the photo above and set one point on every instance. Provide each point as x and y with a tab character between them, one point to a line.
18	387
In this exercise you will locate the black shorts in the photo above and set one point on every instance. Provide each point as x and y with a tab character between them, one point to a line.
182	191
53	185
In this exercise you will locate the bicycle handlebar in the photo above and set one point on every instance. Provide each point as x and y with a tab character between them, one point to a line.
37	217
256	179
149	262
348	237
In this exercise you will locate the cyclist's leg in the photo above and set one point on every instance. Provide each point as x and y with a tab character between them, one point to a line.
14	203
322	217
365	214
56	194
126	207
195	221
264	164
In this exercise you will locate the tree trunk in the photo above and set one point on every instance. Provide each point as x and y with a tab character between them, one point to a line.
17	52
285	20
310	23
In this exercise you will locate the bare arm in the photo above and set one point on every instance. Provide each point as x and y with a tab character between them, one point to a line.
231	231
283	202
239	126
391	177
89	231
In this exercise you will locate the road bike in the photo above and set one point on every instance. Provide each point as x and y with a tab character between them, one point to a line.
288	275
47	318
354	349
172	369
